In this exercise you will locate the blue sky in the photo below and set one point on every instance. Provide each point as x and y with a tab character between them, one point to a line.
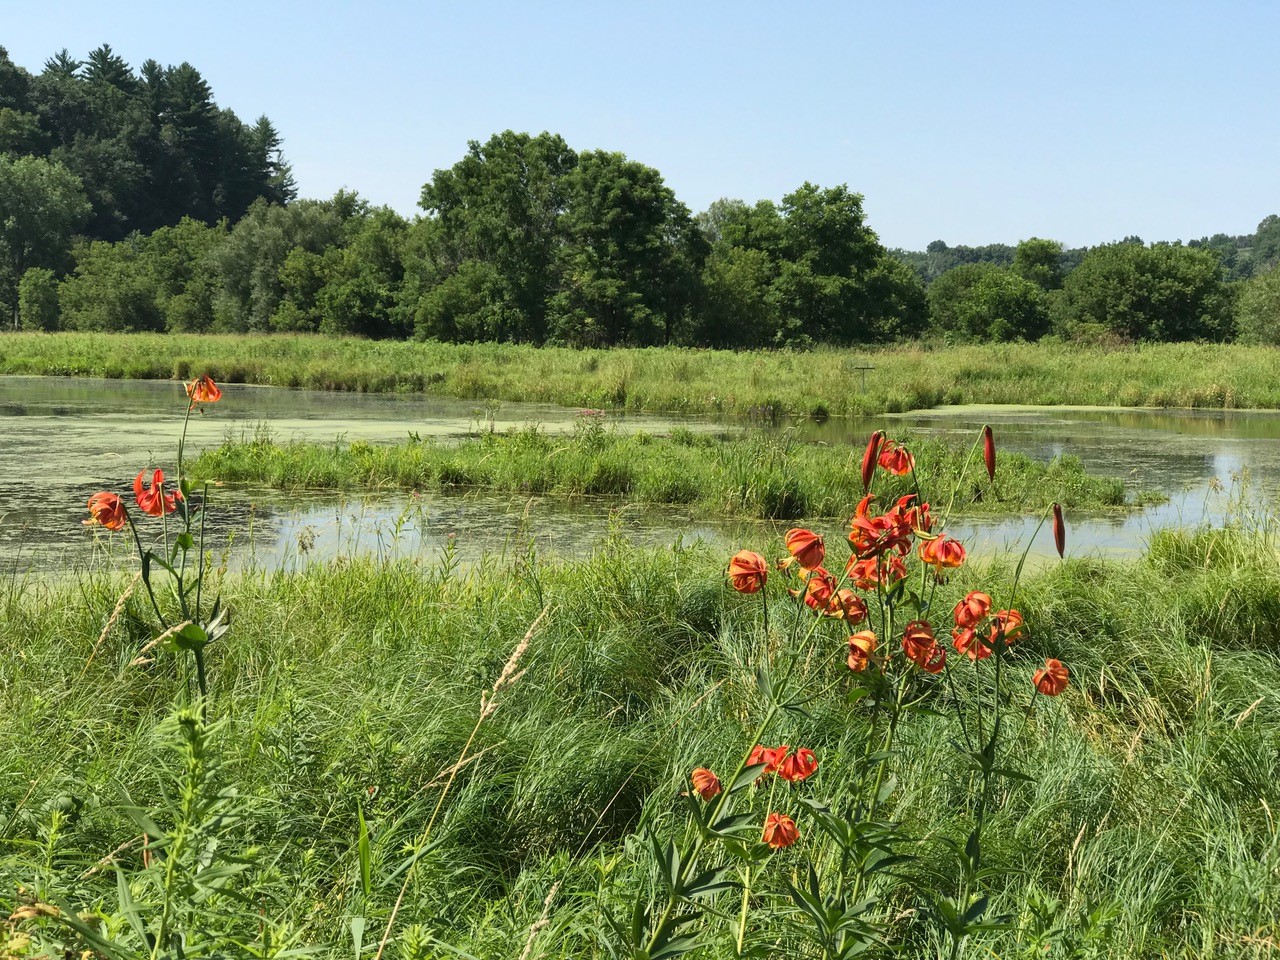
973	123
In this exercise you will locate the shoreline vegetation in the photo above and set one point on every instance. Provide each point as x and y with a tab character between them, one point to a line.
338	718
762	384
770	477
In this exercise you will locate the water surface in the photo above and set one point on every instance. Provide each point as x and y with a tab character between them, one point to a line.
62	439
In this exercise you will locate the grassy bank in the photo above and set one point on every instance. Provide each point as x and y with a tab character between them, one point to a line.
347	691
759	477
824	381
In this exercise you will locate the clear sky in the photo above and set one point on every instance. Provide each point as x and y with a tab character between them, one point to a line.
969	122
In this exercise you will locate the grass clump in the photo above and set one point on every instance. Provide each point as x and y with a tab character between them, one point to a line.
347	690
762	384
760	476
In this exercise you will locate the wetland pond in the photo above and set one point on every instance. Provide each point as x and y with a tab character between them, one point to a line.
62	439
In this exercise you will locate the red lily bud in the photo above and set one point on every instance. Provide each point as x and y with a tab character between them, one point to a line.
1059	529
989	451
869	458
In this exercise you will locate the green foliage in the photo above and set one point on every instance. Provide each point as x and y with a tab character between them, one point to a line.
807	272
770	477
1258	309
43	203
470	305
939	258
110	291
349	690
628	257
1040	261
1161	292
501	204
149	147
774	384
985	302
38	300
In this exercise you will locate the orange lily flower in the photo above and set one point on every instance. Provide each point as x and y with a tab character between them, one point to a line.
819	588
970	611
847	605
966	641
779	831
801	765
806	546
918	640
934	660
106	509
1008	622
892	530
896	458
867	574
989	451
1052	679
861	647
771	757
203	390
154	500
748	571
942	553
705	783
869	458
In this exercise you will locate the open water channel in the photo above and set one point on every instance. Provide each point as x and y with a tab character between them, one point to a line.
62	439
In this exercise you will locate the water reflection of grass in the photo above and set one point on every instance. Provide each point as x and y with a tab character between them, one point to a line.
347	687
766	384
770	477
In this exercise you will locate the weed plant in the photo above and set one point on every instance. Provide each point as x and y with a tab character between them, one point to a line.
760	476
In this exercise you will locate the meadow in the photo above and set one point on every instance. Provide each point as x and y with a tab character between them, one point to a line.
345	695
534	756
754	383
758	476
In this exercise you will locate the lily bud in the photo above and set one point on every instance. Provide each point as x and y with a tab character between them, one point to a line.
869	458
989	451
1059	529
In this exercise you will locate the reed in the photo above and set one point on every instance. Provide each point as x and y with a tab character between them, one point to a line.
759	383
758	476
346	689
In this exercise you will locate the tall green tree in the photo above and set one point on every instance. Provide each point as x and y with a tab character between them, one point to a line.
42	204
1161	292
149	147
501	204
246	277
110	290
1258	309
629	257
38	299
1039	261
830	256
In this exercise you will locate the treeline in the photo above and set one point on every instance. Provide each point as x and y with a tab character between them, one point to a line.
131	202
524	240
1215	288
90	148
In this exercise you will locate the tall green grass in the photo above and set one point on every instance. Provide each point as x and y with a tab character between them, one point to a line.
686	380
770	477
349	688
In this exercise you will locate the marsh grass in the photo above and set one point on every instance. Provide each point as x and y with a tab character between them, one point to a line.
347	688
761	384
761	476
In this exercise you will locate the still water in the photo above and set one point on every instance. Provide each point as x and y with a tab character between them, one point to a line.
63	439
